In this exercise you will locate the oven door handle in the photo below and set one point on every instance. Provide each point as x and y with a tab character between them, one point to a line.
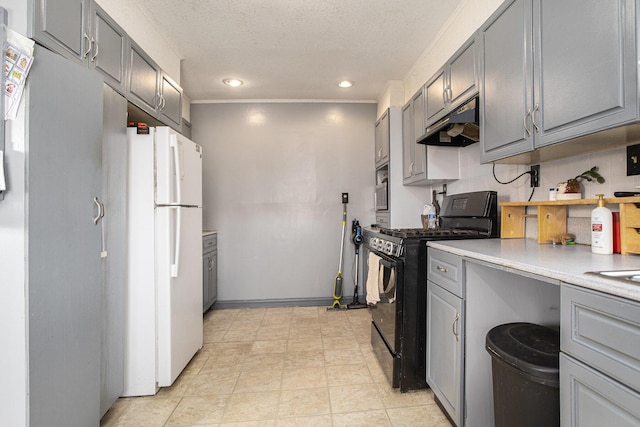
387	263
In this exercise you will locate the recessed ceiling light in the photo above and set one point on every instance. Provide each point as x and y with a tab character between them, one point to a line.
233	82
345	83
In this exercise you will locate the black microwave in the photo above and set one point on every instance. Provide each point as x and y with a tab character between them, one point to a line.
381	197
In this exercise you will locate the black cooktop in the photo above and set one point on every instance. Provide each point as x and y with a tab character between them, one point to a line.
432	233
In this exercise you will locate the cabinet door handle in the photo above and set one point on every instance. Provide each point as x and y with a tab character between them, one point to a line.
411	168
442	269
100	207
533	118
88	39
526	118
454	328
95	55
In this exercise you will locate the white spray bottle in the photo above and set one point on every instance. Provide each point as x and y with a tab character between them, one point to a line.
601	228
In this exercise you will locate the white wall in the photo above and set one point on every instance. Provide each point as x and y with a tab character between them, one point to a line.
13	321
273	178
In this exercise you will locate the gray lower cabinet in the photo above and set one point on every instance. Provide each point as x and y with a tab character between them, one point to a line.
209	271
552	71
445	320
600	360
445	331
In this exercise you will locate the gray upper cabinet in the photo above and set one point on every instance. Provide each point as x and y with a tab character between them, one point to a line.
170	101
143	80
455	83
109	53
152	90
413	155
63	26
424	165
81	31
436	92
382	140
553	71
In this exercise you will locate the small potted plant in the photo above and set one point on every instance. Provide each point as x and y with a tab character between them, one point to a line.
572	188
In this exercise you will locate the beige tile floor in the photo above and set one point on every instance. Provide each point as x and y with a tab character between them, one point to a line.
293	366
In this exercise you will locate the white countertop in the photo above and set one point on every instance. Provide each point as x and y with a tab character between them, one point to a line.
208	232
564	263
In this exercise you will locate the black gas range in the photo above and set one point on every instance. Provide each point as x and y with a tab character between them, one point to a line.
397	258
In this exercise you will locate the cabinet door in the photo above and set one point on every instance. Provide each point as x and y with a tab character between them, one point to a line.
585	67
382	139
506	81
143	80
418	150
64	175
109	51
206	266
445	337
435	101
407	143
170	101
114	266
590	399
463	74
62	26
213	278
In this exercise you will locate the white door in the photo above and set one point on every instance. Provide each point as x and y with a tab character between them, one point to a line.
179	169
179	289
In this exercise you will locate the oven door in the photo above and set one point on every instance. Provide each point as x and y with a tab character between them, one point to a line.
386	318
384	313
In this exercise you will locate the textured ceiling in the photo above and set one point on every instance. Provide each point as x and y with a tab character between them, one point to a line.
297	49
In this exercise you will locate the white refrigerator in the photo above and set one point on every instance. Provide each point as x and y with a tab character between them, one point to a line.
164	272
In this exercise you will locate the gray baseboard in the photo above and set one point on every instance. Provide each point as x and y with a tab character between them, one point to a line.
288	302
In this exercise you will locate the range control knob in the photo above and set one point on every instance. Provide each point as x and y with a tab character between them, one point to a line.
389	248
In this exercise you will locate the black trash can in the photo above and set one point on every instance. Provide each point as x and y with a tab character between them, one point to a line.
524	362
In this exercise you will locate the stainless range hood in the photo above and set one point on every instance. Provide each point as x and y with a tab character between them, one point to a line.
458	129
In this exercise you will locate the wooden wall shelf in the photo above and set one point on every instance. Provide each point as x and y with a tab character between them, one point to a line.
552	220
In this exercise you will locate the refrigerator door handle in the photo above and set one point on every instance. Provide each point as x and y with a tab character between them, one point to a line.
177	162
175	265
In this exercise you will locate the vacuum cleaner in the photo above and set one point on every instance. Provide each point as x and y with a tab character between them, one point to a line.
337	282
356	238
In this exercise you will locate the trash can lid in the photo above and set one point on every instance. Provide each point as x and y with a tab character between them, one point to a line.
528	347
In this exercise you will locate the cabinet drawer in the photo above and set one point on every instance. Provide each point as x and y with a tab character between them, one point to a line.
590	399
603	331
445	269
209	242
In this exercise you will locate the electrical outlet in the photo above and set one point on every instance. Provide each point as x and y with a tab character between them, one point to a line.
633	160
535	176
